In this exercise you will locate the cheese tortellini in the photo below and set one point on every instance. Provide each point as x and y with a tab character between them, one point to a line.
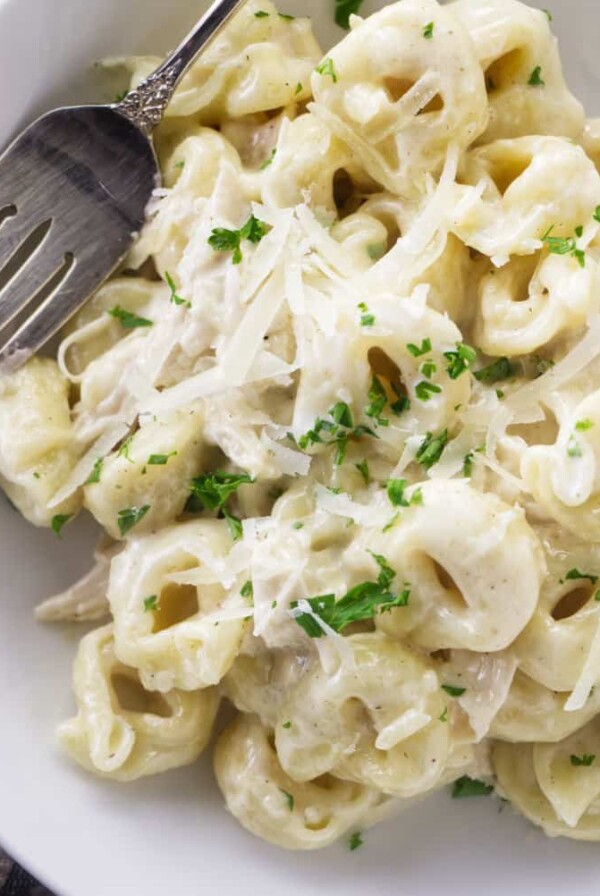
338	416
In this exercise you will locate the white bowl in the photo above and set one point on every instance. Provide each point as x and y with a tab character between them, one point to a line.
172	835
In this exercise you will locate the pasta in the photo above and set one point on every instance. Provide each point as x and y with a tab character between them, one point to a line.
338	416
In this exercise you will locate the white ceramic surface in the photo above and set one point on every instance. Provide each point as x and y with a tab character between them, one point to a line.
171	835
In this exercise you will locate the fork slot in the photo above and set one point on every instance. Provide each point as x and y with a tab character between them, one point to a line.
54	304
16	231
7	211
29	270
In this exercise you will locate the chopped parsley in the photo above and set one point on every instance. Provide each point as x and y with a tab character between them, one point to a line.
418	350
431	449
366	319
377	250
596	215
344	9
584	425
535	79
360	603
261	14
428	31
424	390
453	690
174	298
501	369
363	469
288	798
460	360
335	429
574	574
286	17
130	517
287	725
247	589
466	786
127	319
236	529
150	603
180	165
355	841
59	522
468	465
586	760
213	490
327	69
224	240
299	89
298	525
548	14
428	368
395	492
121	96
160	460
124	449
269	160
564	245
96	472
574	448
443	717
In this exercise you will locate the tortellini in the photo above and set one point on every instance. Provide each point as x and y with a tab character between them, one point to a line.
151	472
121	730
37	444
399	98
342	723
307	815
178	615
518	54
475	566
556	786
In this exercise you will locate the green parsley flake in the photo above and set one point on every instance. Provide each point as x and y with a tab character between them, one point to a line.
363	469
121	96
160	460
269	161
327	69
335	429
424	390
428	30
444	716
287	725
355	841
431	449
559	245
151	603
460	360
127	319
59	522
212	490
466	786
247	589
224	240
548	14
502	369
174	298
180	165
298	525
286	17
596	215
261	14
586	760
428	368
344	9
396	493
453	690
367	319
418	350
130	517
574	448
574	574
360	603
535	79
299	89
236	529
584	425
94	476
288	798
124	449
468	465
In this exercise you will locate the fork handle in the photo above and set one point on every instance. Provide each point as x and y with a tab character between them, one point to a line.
145	105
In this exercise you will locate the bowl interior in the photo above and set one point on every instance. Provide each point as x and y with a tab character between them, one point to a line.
171	834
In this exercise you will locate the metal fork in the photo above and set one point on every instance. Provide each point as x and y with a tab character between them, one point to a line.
74	188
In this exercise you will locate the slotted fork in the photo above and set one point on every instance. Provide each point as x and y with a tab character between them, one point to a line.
74	188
